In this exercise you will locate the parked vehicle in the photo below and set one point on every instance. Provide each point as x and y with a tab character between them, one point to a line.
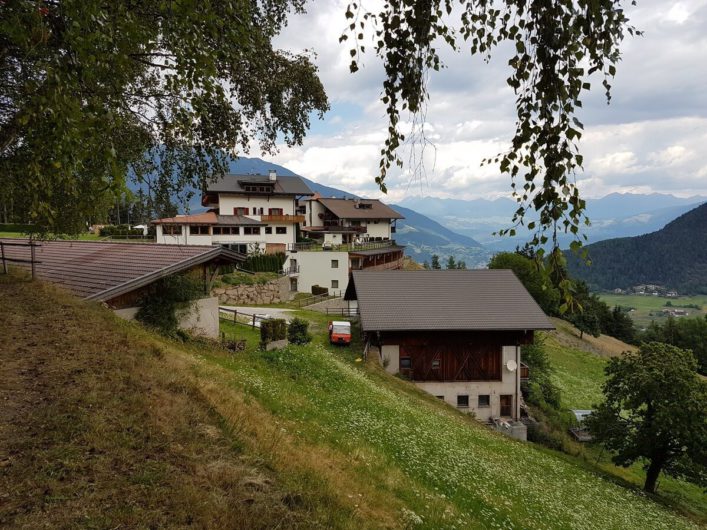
339	332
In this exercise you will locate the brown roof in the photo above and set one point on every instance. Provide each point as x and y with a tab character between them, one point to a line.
283	185
444	300
376	251
209	218
98	270
347	209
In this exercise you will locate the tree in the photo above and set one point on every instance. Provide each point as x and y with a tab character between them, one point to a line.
451	263
655	410
426	265
91	91
435	262
535	279
461	264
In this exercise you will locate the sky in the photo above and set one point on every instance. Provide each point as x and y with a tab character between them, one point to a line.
651	138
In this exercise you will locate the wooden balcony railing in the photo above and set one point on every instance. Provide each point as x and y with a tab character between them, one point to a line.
282	218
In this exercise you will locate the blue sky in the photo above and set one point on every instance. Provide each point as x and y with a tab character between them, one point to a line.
650	139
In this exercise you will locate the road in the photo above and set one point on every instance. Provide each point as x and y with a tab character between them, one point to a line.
274	312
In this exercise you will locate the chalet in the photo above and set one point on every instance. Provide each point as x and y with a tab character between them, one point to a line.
345	235
118	274
247	213
455	333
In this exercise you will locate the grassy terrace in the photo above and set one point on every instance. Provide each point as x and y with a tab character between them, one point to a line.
107	425
645	305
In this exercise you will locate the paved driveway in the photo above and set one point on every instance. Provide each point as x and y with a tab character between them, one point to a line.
273	312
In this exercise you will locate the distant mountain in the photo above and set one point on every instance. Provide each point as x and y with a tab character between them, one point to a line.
675	257
616	215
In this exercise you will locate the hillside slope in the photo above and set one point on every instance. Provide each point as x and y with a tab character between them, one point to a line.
675	256
106	425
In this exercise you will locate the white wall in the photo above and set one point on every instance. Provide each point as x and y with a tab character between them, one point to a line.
201	318
227	202
381	229
185	238
315	269
509	384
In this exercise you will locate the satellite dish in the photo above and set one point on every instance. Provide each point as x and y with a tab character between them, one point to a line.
511	365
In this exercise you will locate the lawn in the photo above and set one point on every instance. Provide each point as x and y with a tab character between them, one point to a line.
128	429
645	305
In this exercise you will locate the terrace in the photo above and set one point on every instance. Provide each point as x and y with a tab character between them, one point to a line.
318	246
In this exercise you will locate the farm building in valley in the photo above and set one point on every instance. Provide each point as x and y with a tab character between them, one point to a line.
455	333
118	274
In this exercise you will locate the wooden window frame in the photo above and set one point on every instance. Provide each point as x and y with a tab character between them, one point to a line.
281	230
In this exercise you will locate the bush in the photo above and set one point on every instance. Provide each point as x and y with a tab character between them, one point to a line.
272	330
162	302
119	231
16	227
298	331
317	290
265	262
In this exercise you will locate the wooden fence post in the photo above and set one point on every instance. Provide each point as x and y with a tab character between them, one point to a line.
4	263
253	320
31	246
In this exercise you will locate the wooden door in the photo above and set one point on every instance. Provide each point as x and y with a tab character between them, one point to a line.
507	405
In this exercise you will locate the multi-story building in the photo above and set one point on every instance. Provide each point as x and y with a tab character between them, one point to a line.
247	213
345	235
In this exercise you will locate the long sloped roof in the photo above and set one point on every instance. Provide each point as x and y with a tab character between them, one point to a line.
284	185
444	300
348	209
103	270
208	218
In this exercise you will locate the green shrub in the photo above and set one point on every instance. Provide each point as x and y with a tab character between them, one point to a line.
316	290
265	262
164	300
16	227
298	331
272	330
119	231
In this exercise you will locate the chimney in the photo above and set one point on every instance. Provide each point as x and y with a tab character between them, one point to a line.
273	175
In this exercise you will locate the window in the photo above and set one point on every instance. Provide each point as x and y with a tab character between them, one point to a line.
251	230
405	362
257	211
240	211
225	230
274	211
268	229
237	247
335	264
435	364
172	230
463	401
440	397
355	223
198	230
335	284
280	229
484	400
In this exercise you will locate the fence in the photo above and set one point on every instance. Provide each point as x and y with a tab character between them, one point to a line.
343	311
301	302
318	246
5	258
247	319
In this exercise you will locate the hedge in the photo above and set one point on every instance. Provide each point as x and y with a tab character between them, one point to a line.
316	290
272	330
15	227
265	262
119	230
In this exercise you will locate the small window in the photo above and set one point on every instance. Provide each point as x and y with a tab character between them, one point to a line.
197	230
335	284
240	211
405	362
484	400
274	211
280	229
217	230
235	230
463	401
268	229
251	230
335	264
440	397
435	364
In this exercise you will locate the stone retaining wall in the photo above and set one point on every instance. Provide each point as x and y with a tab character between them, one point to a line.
272	292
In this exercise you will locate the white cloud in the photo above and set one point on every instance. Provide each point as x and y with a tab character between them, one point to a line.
649	139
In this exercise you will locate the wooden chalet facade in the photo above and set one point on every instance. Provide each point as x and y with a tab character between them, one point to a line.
455	334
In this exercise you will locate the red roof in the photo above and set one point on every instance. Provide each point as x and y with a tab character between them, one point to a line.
207	218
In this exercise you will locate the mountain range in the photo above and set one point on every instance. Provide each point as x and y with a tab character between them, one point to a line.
675	257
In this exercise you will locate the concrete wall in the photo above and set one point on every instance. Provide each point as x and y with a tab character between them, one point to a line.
201	318
509	384
315	269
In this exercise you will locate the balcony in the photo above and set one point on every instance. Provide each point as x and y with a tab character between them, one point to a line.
290	271
282	218
346	247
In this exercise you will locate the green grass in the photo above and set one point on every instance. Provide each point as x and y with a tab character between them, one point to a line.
645	305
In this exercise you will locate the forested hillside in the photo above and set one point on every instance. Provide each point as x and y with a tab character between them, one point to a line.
675	257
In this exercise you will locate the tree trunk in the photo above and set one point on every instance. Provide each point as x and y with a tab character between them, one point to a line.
652	475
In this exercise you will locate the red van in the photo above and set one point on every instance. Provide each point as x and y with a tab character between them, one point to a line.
339	332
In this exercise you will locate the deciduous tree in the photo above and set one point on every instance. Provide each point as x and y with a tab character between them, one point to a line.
655	410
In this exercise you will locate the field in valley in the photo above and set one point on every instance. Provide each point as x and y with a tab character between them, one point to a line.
107	424
645	305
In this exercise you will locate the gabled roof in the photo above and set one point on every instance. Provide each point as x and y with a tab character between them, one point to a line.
209	218
444	300
103	270
283	185
350	209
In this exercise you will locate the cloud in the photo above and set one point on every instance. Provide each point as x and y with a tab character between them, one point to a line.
650	138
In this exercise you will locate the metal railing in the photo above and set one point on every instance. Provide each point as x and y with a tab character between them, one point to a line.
343	311
302	302
282	218
289	271
346	247
5	258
